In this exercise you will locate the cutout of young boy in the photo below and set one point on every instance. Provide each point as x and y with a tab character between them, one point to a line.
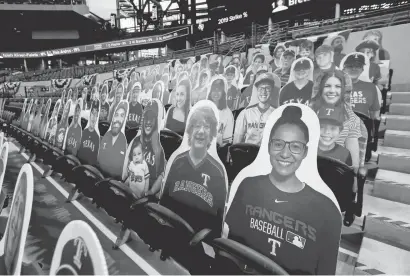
331	124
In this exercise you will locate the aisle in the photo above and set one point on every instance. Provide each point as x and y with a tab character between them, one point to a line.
51	213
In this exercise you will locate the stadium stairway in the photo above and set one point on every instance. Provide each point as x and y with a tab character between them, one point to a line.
385	247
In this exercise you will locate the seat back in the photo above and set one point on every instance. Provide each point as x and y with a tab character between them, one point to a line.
170	142
339	178
242	155
103	126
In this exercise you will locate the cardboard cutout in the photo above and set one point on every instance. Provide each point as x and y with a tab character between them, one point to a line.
135	108
78	252
195	178
274	96
149	139
114	144
158	91
51	128
35	127
300	85
145	97
105	106
204	64
257	60
119	94
44	120
90	140
27	114
74	133
18	222
32	115
276	63
69	95
62	126
194	76
199	93
23	111
63	96
232	76
125	83
95	95
217	93
257	198
4	154
176	116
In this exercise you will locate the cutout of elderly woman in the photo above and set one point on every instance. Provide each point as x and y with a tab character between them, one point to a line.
258	59
217	94
300	85
199	93
330	89
151	146
283	213
178	112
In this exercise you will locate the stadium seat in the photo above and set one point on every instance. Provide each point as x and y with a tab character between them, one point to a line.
130	133
170	142
103	126
369	123
241	155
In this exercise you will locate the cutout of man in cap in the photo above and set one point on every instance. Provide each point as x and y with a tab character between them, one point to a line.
63	126
369	48
300	90
364	97
114	144
331	120
247	93
338	44
74	132
258	60
135	112
105	106
251	121
284	72
233	92
90	140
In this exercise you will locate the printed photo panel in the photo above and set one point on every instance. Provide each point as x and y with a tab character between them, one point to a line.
105	106
147	142
135	108
199	93
286	61
84	96
35	128
95	95
257	60
90	140
203	63
194	75
232	76
177	114
69	95
274	95
194	175
78	252
125	84
119	94
364	75
74	133
145	97
62	126
1	139
288	154
165	80
4	154
44	120
32	115
276	63
26	117
113	144
23	111
158	91
218	94
18	221
216	64
63	95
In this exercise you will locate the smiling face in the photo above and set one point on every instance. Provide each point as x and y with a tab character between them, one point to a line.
304	52
328	133
77	113
279	52
332	90
257	62
301	74
230	77
93	118
118	120
180	96
216	94
264	91
200	138
104	94
149	124
285	162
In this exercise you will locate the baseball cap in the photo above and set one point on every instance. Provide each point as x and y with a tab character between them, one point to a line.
123	105
323	49
302	65
230	70
218	82
289	53
332	114
355	59
262	67
151	110
371	44
265	77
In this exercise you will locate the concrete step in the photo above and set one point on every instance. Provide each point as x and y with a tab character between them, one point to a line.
385	248
398	97
394	159
399	109
394	186
396	122
397	139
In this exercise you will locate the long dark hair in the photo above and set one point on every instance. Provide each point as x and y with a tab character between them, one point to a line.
222	101
187	106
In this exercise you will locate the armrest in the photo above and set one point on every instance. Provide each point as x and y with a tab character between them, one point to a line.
169	216
70	158
139	202
250	256
90	169
200	236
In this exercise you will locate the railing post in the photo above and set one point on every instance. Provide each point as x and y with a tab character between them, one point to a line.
253	35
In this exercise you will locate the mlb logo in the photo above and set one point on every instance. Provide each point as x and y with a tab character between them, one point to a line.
296	240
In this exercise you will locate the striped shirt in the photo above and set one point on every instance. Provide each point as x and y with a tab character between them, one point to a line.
351	127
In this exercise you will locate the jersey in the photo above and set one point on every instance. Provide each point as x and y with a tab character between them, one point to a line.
90	144
137	173
134	115
105	110
60	135
111	156
339	153
73	140
196	192
364	97
299	231
233	97
225	129
290	93
149	157
250	124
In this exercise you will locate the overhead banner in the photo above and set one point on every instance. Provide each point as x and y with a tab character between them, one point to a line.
99	46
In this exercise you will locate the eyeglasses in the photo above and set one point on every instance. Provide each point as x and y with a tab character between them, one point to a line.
295	147
264	89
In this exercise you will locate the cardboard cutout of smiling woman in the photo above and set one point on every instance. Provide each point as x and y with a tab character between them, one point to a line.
200	92
74	132
279	205
90	140
78	252
114	144
62	127
196	184
217	93
52	123
158	91
194	76
300	85
146	143
44	120
18	222
181	76
177	114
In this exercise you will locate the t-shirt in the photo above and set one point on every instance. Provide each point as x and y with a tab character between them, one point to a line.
339	153
250	124
137	173
364	98
73	140
51	131
292	94
351	127
105	110
134	115
299	231
111	156
149	157
232	97
60	135
225	129
90	144
284	77
196	192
